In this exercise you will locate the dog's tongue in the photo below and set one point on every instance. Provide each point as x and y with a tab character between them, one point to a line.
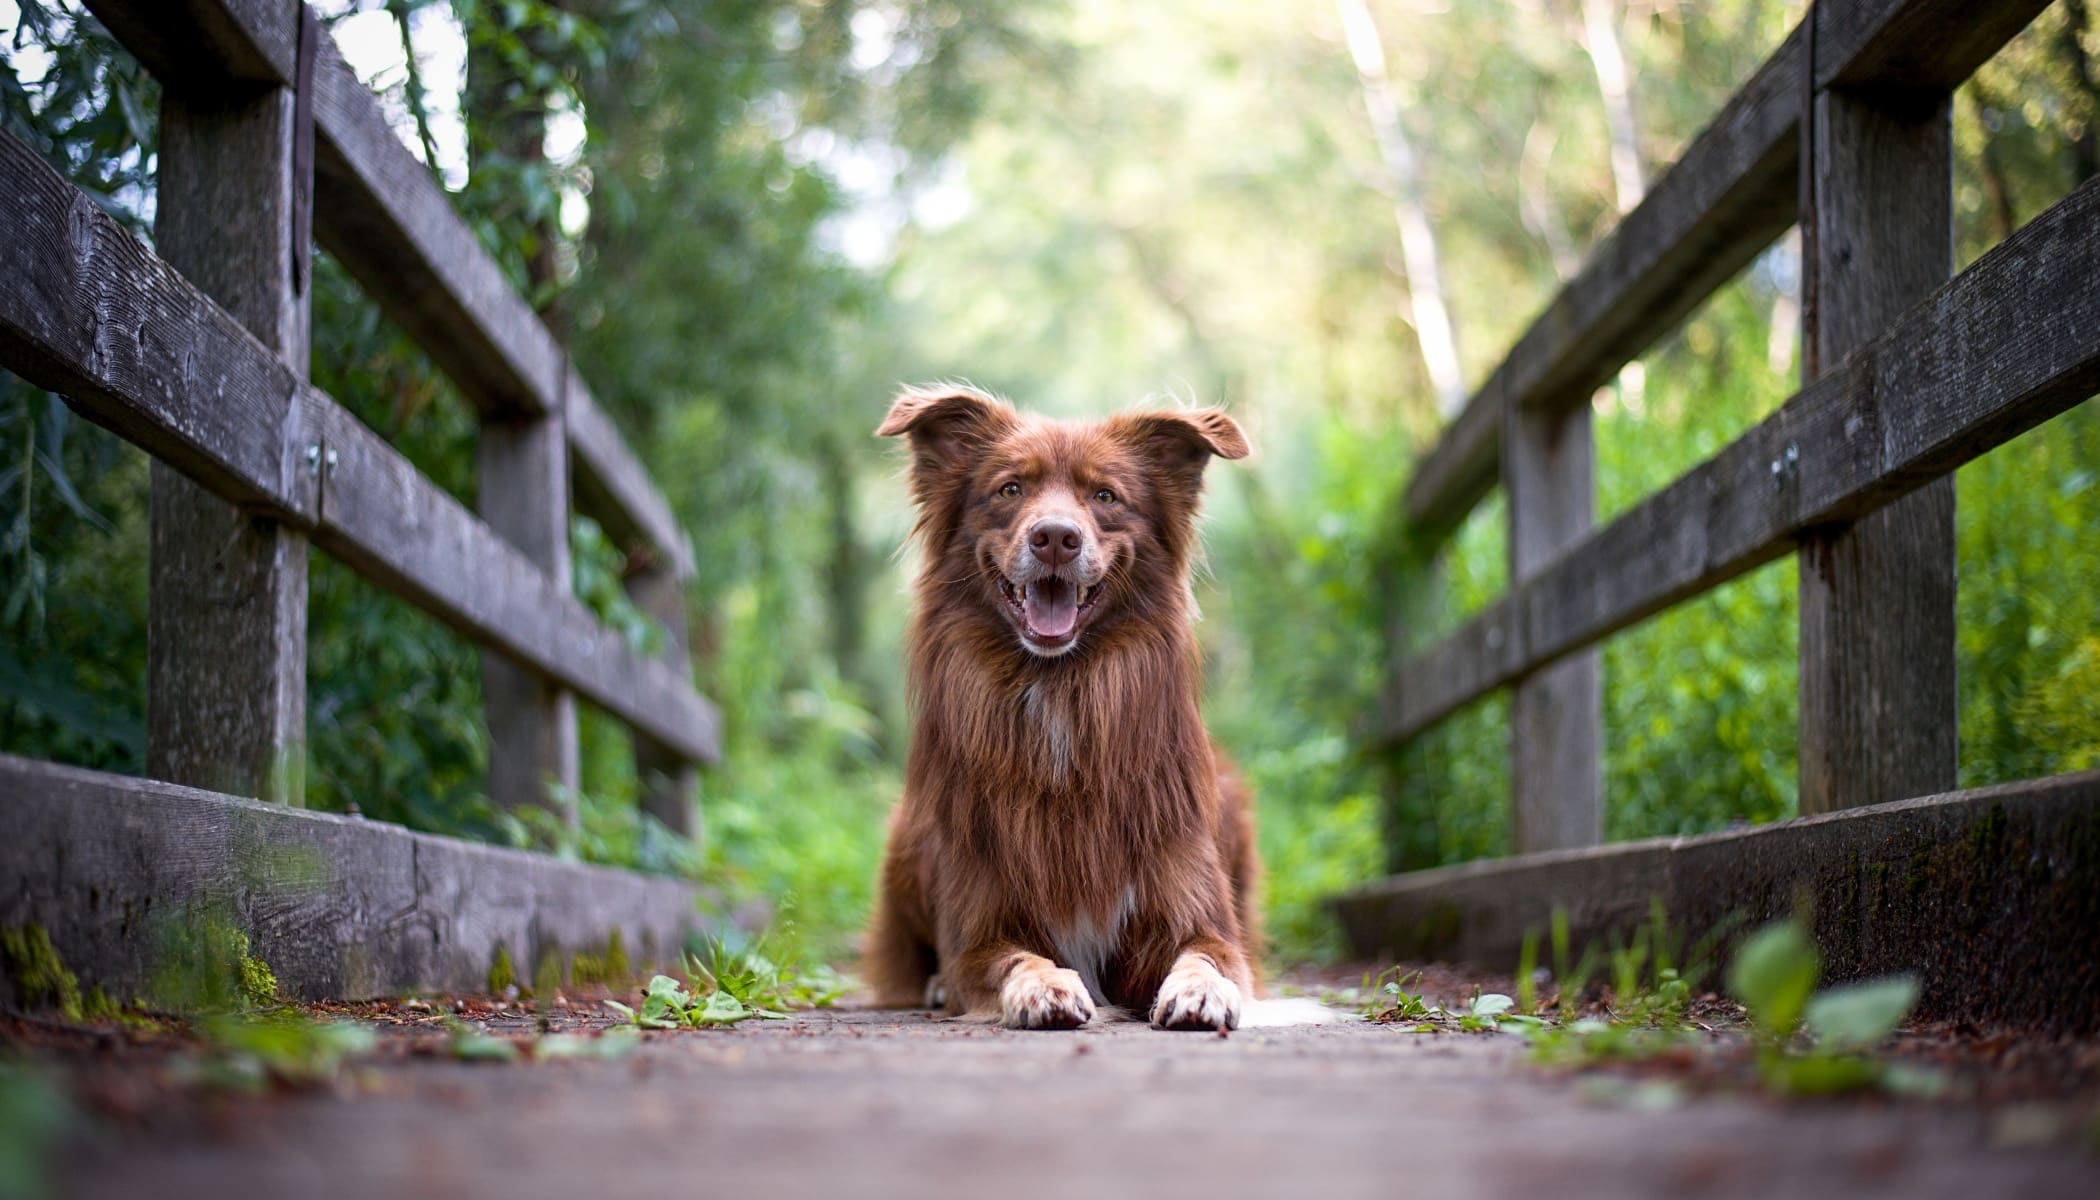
1052	606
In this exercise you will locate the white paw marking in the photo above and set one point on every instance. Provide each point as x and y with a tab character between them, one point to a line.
1196	996
1053	999
936	993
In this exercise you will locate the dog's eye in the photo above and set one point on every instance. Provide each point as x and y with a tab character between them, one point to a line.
1010	490
1105	496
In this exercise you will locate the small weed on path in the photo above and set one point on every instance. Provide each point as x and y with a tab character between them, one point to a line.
1788	1037
724	985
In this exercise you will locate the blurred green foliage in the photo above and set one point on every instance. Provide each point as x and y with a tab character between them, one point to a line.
772	211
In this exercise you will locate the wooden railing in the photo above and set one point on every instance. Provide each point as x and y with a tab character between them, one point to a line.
199	356
1907	375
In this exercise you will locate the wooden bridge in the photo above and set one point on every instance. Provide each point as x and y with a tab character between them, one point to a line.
1907	374
197	352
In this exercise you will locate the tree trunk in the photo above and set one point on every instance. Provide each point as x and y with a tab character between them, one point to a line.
2085	148
1535	203
1434	331
1600	38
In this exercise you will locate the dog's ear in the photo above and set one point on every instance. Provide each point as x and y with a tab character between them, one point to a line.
946	424
1185	442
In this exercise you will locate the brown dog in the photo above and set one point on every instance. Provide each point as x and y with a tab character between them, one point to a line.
1068	837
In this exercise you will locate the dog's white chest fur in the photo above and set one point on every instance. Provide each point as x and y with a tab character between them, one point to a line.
1086	945
1053	725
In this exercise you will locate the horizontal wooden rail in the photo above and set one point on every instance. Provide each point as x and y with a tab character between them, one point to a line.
2007	344
1986	896
90	313
1734	189
340	907
380	213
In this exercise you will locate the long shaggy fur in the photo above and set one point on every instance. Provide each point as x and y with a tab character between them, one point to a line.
1067	812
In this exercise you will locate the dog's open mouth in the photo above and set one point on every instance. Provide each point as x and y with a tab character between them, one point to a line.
1050	608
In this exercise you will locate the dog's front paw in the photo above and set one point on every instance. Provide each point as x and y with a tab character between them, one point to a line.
1196	996
1044	998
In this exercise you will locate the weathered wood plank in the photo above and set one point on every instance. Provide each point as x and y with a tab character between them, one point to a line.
90	313
2004	346
1725	199
1925	45
1556	723
380	213
1730	194
1877	713
524	498
226	623
611	485
93	315
1987	895
670	782
340	908
404	533
383	217
207	44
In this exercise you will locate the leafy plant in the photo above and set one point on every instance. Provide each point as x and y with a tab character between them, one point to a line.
1775	976
248	1051
725	984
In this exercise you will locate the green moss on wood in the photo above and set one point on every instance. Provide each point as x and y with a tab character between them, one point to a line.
547	973
40	977
502	974
258	981
610	967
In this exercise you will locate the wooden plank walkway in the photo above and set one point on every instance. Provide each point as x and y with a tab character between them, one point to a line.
898	1104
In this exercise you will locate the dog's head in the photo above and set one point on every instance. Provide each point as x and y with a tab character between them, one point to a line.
1056	528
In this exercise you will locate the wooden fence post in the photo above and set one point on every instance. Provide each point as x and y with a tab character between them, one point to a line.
524	496
1555	714
226	625
670	781
1878	702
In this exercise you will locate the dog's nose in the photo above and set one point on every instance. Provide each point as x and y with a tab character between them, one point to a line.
1055	543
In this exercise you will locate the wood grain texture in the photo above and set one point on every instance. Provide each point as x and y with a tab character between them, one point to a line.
385	219
1556	719
226	625
2004	346
339	907
1721	203
1986	895
1731	192
1878	704
90	313
406	534
93	315
201	47
380	213
524	498
1929	46
669	780
611	486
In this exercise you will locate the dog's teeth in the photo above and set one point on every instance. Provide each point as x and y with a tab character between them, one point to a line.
1082	595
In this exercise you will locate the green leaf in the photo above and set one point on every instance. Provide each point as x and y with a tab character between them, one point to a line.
614	1043
1821	1074
1494	1004
1858	1015
720	1009
668	988
1773	975
480	1047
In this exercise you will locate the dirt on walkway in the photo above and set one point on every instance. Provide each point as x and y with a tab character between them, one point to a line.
873	1104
